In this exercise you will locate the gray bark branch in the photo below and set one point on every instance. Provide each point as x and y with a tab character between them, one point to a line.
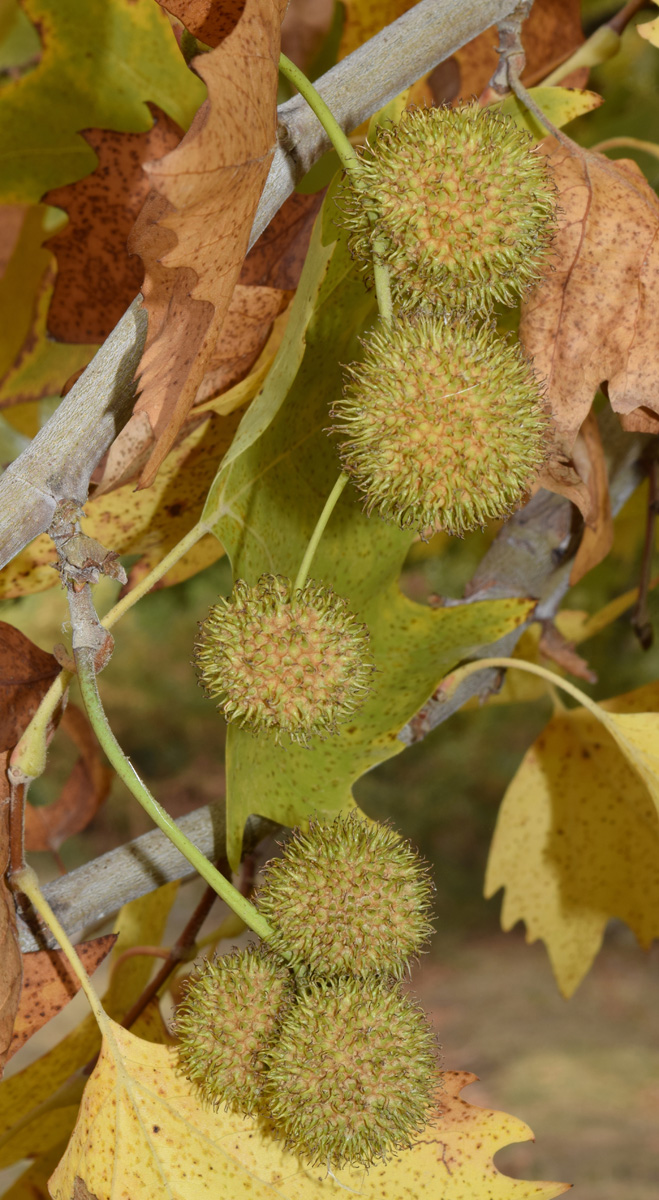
59	462
100	888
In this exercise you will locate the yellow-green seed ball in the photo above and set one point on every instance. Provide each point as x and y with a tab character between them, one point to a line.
459	204
353	1075
284	662
443	425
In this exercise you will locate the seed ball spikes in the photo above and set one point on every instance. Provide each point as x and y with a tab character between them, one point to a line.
443	424
458	203
348	898
353	1075
230	1014
284	662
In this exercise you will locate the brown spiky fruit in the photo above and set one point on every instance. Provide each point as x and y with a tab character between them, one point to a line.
353	1074
231	1012
458	203
442	425
284	662
347	898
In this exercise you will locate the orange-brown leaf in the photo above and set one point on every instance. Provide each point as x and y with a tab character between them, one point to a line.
209	20
96	277
193	231
595	317
10	955
81	797
49	984
26	673
245	331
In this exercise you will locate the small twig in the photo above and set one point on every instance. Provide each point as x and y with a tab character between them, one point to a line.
622	18
179	951
510	48
640	619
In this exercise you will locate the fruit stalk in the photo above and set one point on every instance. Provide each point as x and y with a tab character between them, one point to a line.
126	771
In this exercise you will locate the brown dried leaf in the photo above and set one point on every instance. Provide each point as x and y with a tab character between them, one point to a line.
595	316
245	331
26	673
555	646
193	231
49	984
10	955
209	20
277	258
551	33
96	277
81	797
597	537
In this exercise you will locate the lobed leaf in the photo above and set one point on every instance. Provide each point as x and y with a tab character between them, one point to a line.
101	62
577	837
38	1105
49	984
142	1132
193	231
263	507
593	317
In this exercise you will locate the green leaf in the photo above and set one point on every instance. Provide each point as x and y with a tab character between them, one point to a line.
19	40
263	507
102	61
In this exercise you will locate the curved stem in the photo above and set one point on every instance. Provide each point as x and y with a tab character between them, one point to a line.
521	664
29	757
339	140
176	553
383	291
26	881
627	143
350	161
330	505
126	772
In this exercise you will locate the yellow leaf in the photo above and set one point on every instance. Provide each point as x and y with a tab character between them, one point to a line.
30	1121
577	838
142	1133
148	522
650	31
559	105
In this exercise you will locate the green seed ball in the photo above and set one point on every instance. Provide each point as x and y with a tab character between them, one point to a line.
460	206
281	661
443	424
230	1015
353	1075
348	898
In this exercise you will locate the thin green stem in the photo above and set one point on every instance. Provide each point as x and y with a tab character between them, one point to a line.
350	160
339	140
122	606
521	664
29	757
26	881
126	772
324	517
383	291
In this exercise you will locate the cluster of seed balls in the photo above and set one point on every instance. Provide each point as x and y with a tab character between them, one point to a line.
313	1032
443	423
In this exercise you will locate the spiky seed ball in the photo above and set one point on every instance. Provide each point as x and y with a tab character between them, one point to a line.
443	423
460	206
284	662
230	1014
353	1074
347	898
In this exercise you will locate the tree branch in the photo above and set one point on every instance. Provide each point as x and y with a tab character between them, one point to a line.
532	555
100	888
59	462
